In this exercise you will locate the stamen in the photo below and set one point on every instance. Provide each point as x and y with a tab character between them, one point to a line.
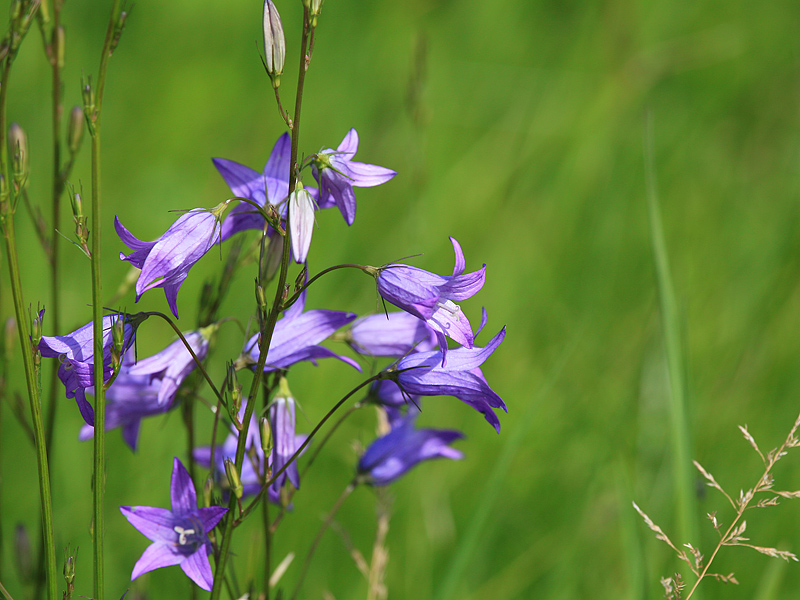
182	533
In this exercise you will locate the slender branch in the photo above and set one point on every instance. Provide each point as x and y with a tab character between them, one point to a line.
328	520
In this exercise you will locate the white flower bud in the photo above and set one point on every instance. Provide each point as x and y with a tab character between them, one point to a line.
274	42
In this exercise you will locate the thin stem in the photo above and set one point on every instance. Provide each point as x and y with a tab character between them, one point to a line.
97	309
7	218
268	327
305	286
328	520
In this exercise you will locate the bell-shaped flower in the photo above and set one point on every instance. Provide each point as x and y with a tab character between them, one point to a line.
297	336
285	441
431	297
180	535
301	222
423	374
393	334
271	185
391	456
171	366
129	399
166	261
337	173
75	352
388	394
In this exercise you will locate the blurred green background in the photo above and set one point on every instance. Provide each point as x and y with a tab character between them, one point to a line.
518	128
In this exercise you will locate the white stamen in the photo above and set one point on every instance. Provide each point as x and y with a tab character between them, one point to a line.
182	533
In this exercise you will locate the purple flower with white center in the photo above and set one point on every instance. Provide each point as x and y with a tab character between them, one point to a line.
337	174
431	297
423	374
180	535
272	185
166	261
392	455
297	336
129	399
75	352
393	334
171	366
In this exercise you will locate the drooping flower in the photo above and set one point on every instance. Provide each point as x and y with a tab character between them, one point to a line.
180	535
171	366
129	399
337	173
297	336
285	441
423	374
392	455
431	297
271	185
393	334
166	261
75	352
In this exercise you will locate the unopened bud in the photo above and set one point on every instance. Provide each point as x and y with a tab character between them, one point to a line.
69	565
118	341
301	279
75	129
314	10
261	298
88	104
266	435
233	478
36	330
119	27
235	390
18	148
274	43
61	45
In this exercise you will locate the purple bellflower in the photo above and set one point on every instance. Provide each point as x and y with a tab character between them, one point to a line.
75	352
423	374
337	174
393	334
171	366
272	185
301	222
297	336
391	456
285	441
389	395
166	261
431	297
129	399
180	535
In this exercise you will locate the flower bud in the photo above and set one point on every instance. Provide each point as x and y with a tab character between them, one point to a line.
274	43
266	435
301	222
314	9
261	298
18	149
235	391
118	339
61	45
208	491
75	129
233	478
69	570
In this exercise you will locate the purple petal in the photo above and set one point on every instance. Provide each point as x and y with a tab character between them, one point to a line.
349	144
181	489
243	181
156	524
277	168
211	515
365	175
155	556
198	569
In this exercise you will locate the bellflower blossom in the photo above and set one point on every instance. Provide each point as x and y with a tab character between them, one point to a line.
171	366
423	374
337	174
271	185
75	352
129	399
180	535
392	455
430	297
393	334
297	336
166	261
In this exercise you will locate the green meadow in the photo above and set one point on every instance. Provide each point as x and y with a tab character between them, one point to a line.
628	171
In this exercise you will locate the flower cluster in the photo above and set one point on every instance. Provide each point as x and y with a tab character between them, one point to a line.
428	346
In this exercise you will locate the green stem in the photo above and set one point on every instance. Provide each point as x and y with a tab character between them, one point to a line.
97	309
7	217
268	327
